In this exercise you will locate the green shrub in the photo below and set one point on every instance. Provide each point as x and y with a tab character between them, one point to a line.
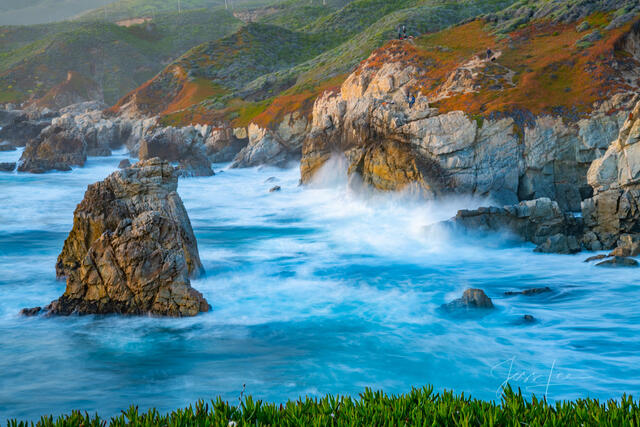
419	407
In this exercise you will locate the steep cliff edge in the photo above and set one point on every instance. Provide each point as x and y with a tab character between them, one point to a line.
523	123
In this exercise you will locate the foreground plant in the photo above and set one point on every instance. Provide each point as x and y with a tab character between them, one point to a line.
419	407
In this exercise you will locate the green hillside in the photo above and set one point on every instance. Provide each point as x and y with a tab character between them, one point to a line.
34	59
302	57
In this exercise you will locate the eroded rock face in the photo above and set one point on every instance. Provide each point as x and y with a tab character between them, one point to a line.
394	145
21	128
182	145
131	249
539	221
276	147
223	143
614	209
56	148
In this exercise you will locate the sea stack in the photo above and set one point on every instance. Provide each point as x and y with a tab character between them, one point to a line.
131	249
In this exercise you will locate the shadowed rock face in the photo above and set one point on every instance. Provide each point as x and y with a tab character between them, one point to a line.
55	148
538	221
182	145
131	249
614	209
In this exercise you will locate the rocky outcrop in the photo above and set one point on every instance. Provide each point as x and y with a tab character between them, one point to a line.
223	143
182	145
131	249
22	127
539	221
393	145
56	148
614	209
278	147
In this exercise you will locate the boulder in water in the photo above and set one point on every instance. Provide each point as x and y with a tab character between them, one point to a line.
7	167
132	249
618	261
124	163
471	298
531	291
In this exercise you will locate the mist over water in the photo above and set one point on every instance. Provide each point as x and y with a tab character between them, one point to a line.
314	290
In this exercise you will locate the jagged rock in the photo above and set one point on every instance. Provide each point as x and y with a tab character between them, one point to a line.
7	166
560	244
131	249
124	163
393	146
618	262
182	145
608	215
274	189
596	258
223	144
8	116
471	299
56	148
22	129
7	146
538	221
628	246
276	147
532	291
29	312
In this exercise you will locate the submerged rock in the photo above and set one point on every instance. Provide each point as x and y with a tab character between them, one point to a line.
274	189
132	249
596	258
527	318
7	166
29	312
471	298
617	261
532	291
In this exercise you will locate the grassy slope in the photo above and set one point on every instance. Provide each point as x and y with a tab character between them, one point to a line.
334	44
34	59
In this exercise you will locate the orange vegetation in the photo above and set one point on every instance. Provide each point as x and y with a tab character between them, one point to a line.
300	101
549	68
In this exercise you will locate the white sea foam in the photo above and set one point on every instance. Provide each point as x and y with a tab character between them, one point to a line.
314	289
